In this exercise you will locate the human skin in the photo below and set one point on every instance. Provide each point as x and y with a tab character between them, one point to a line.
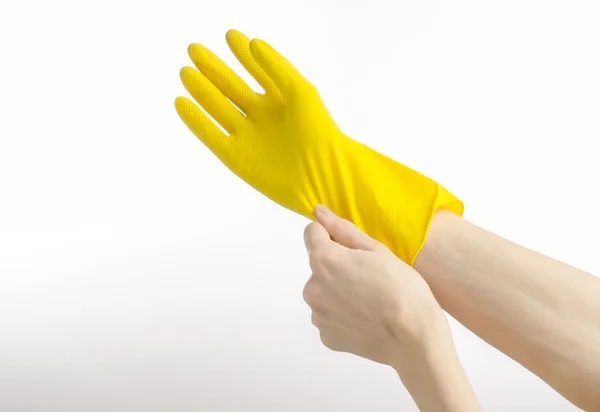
366	301
542	313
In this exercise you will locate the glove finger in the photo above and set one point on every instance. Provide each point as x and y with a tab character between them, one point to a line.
223	77
204	128
211	99
277	67
240	47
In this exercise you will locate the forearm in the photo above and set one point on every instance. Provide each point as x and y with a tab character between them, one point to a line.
437	382
541	312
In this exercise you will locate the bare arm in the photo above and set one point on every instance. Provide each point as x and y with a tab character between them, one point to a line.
436	380
541	312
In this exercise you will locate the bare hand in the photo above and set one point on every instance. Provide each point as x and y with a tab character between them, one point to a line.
364	299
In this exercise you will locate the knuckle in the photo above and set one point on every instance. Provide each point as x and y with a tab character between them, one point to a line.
336	225
308	228
307	88
349	229
345	223
309	293
316	320
325	339
306	295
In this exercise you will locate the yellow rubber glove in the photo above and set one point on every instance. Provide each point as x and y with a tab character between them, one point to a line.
285	144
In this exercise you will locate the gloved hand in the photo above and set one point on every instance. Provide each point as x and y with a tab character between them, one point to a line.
285	144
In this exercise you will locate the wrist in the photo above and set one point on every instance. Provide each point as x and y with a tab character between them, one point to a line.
423	353
401	227
422	337
436	380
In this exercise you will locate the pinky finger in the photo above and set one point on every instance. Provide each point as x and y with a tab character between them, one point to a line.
204	128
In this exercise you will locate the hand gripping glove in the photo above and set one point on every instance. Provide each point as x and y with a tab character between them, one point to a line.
285	144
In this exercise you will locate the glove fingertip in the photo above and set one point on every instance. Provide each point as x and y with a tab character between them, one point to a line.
179	102
186	72
231	34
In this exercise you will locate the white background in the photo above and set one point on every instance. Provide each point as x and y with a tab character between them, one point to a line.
138	274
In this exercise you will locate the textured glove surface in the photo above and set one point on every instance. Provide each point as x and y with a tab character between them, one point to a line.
285	144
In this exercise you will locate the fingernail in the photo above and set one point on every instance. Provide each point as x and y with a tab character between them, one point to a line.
322	210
